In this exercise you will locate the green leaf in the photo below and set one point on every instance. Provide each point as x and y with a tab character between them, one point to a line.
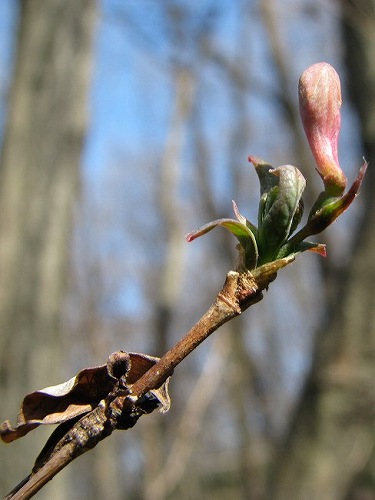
329	210
266	179
289	249
280	210
243	219
244	235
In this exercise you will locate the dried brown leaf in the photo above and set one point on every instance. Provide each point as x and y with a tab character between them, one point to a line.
82	393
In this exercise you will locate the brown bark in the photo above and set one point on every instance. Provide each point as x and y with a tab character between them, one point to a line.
39	175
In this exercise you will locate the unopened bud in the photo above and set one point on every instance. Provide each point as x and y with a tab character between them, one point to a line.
320	103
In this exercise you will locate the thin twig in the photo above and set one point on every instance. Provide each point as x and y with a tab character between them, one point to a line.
83	436
240	291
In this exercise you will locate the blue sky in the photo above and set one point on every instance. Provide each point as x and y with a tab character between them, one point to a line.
8	25
130	106
132	89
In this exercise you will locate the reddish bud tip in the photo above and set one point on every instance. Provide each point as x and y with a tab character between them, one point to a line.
320	103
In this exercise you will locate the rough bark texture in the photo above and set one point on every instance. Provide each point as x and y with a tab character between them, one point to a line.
332	439
39	174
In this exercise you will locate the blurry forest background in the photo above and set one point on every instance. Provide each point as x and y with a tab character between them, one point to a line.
126	124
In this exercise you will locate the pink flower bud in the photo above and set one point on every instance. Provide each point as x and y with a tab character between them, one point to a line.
320	103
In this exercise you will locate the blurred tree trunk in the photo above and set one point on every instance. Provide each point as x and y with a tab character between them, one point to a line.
331	441
169	279
39	175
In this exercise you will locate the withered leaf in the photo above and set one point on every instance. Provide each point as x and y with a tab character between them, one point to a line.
82	393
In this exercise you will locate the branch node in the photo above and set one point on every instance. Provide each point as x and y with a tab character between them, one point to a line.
228	294
230	303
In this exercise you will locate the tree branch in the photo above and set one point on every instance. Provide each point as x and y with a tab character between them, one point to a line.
240	291
123	406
